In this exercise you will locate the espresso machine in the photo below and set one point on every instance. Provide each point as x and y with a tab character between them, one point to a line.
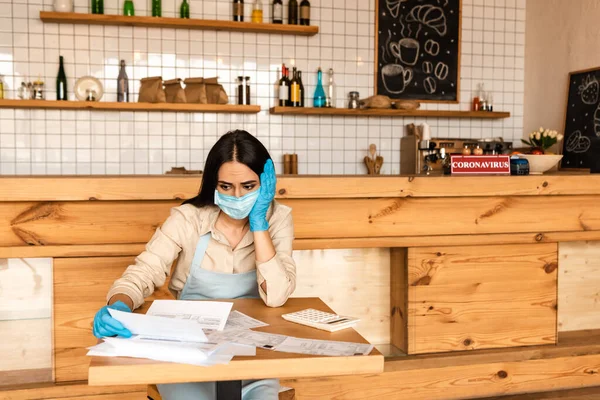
422	155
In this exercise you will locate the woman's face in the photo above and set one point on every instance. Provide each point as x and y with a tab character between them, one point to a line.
236	179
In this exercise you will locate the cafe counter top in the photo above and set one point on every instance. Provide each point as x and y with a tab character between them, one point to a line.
161	187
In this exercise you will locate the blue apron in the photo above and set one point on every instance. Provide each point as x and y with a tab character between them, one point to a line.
202	284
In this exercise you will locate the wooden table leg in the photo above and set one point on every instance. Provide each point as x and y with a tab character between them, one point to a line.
229	390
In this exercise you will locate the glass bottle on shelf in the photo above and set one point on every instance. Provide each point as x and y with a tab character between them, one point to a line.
97	6
123	85
277	12
257	12
1	87
302	94
23	92
61	82
331	91
283	89
238	10
320	98
293	12
305	12
184	10
295	89
247	90
157	8
128	8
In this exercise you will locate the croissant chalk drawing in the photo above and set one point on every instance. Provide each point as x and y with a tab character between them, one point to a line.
430	16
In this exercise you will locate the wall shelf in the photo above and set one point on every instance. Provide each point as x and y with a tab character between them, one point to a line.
114	106
163	22
344	112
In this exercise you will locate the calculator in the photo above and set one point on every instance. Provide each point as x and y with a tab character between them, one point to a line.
321	320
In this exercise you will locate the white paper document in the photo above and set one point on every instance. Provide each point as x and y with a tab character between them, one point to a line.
208	314
244	336
154	327
323	347
203	354
238	320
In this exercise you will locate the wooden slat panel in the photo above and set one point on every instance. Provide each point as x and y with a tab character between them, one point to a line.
413	217
466	298
133	249
399	298
134	222
351	282
83	188
73	391
579	286
574	363
80	287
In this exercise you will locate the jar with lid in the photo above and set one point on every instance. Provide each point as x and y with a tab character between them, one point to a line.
247	90
353	99
38	92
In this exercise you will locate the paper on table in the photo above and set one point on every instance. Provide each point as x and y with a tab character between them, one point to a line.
209	314
238	320
245	336
158	327
203	354
323	347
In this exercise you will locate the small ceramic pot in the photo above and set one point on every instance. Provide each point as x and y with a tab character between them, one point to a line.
63	5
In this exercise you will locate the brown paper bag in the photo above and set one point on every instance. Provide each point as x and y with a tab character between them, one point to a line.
195	90
151	90
215	93
174	92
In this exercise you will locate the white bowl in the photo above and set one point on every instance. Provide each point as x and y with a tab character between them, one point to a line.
538	164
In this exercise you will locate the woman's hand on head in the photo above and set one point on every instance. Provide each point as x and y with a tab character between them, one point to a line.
268	182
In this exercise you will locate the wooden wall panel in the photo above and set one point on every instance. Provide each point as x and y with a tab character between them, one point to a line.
399	298
579	286
80	287
467	298
351	282
135	222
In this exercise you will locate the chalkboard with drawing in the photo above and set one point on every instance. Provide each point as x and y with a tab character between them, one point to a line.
581	147
417	53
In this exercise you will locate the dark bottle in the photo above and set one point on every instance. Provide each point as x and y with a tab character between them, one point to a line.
61	82
305	12
293	12
123	85
184	10
277	12
302	94
283	88
295	89
128	9
238	10
97	6
157	8
289	86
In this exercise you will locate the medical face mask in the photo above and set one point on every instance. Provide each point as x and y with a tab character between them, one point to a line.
236	207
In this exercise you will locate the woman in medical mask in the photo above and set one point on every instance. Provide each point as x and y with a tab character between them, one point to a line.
231	241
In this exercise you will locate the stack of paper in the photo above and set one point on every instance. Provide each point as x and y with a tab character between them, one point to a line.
174	331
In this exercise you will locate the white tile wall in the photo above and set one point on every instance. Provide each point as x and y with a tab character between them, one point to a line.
83	142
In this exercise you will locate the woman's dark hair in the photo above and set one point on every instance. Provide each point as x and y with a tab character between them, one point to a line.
237	146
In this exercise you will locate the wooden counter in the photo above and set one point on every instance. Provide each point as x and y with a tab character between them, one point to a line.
474	262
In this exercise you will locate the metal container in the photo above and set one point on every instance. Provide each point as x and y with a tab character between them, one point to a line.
353	100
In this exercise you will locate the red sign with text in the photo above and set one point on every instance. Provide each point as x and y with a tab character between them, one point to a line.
480	165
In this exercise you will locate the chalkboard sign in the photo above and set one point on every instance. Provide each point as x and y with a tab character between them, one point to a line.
418	49
581	146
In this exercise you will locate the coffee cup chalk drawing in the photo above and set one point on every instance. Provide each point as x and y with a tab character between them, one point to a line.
418	53
396	78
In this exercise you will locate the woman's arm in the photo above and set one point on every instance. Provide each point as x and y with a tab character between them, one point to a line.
152	266
276	269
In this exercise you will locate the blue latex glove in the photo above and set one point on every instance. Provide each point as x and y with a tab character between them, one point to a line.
105	325
266	194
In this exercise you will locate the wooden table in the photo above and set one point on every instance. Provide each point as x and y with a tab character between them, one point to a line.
266	364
